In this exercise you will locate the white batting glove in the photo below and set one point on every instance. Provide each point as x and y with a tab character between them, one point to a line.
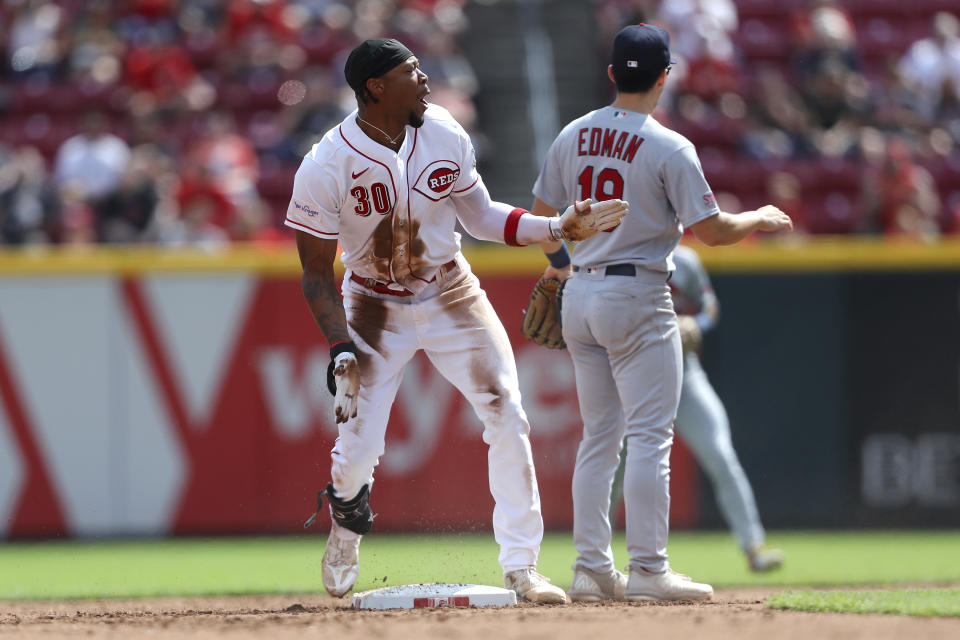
585	219
346	375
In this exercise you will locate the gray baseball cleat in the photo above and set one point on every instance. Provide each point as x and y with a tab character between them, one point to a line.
341	560
762	558
533	587
594	586
668	585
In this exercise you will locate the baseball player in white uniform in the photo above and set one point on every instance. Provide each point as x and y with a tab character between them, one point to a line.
389	184
618	320
702	420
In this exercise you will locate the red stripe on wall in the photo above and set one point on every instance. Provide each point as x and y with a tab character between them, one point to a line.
38	512
160	366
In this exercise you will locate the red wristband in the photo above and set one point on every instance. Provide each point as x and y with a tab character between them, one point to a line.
338	342
511	226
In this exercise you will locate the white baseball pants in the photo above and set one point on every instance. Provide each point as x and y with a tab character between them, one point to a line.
453	322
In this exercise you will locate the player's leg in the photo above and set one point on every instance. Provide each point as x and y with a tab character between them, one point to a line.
599	450
463	337
634	319
594	575
385	335
385	341
703	424
645	365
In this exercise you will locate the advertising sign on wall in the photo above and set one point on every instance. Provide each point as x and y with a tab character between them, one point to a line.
195	403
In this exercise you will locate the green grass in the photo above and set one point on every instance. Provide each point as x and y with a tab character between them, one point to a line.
909	602
112	569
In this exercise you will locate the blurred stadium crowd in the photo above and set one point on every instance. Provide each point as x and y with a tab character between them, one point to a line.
182	122
845	114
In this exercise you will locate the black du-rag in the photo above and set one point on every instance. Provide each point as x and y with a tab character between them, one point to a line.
372	59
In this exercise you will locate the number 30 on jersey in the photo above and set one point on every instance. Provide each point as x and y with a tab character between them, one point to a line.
378	196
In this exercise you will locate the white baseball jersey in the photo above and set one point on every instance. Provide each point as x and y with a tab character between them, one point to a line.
394	215
390	211
613	153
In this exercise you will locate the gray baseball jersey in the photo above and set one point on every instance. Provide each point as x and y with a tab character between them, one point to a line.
690	287
613	153
619	325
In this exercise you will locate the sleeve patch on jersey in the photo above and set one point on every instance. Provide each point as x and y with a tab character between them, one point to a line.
299	206
437	180
709	199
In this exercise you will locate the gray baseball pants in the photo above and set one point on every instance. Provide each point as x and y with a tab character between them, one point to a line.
703	424
622	334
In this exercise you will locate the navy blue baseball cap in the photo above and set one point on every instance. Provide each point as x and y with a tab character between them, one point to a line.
641	48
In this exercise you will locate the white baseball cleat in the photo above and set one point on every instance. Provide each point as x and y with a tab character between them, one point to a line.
341	560
594	586
669	585
533	587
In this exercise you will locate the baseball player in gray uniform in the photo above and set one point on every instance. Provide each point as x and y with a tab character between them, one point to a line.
702	420
387	186
618	319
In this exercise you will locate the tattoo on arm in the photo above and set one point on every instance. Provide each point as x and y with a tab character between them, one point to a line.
326	305
319	289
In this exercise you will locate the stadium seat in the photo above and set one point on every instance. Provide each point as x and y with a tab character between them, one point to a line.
203	49
834	212
726	171
716	132
747	9
766	40
248	96
276	181
882	37
838	174
878	8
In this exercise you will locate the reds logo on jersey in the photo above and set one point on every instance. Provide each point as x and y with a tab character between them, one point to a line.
437	179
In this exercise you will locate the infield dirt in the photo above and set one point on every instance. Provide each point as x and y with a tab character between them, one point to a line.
738	614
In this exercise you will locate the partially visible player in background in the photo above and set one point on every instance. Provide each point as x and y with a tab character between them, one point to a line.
702	420
618	320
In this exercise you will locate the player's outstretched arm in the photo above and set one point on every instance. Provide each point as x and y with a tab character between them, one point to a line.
728	228
486	219
583	220
560	266
317	256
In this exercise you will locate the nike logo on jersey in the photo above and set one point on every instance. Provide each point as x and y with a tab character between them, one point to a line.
358	174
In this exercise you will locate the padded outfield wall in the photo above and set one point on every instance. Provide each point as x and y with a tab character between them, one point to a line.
153	393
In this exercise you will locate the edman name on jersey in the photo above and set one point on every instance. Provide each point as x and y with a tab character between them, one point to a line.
607	142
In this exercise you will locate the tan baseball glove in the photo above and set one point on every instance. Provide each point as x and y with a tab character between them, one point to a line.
541	318
690	336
